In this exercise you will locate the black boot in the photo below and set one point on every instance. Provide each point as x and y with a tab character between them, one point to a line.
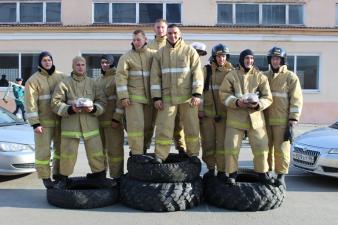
157	160
265	179
210	173
48	183
232	178
194	159
56	177
61	183
280	180
181	151
221	176
100	180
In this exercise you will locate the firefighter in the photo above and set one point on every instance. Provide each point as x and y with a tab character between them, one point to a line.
133	90
283	113
246	93
46	124
160	28
212	112
111	128
176	86
79	121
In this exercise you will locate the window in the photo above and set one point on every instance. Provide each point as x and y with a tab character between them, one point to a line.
93	63
124	13
336	14
306	67
149	13
224	13
30	12
274	14
136	12
7	12
247	14
260	14
53	12
101	13
10	65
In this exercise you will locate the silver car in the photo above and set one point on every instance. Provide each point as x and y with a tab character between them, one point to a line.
17	153
316	151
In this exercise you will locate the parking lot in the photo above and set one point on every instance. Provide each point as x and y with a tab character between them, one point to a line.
311	199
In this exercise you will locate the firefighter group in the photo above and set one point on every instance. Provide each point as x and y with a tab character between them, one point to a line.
161	84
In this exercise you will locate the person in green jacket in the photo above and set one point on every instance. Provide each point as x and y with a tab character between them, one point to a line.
19	94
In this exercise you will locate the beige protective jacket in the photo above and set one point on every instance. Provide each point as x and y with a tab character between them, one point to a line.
287	97
234	86
157	43
38	92
133	75
81	124
114	109
176	73
211	100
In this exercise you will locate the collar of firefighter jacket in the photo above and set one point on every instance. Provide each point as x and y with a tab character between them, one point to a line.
160	39
110	72
282	69
78	77
176	45
143	49
226	67
246	72
45	72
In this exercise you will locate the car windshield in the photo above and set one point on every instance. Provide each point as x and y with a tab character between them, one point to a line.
6	119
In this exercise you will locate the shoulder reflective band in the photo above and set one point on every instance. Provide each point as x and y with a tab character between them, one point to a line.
139	73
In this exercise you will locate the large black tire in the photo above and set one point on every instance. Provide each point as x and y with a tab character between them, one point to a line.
248	194
176	168
160	197
82	194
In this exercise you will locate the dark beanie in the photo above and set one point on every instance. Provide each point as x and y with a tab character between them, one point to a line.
109	58
41	56
243	54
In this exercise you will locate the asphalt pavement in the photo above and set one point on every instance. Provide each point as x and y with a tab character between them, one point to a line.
311	199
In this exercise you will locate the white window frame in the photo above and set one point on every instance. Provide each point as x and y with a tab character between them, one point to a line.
164	9
44	12
260	12
336	22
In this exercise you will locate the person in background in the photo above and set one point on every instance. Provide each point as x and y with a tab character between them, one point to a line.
19	94
3	81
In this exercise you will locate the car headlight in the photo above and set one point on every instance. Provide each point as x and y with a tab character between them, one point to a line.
333	151
14	147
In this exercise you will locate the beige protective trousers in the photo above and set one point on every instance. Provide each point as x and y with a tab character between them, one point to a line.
179	134
213	135
43	152
112	141
69	150
165	123
279	150
140	126
259	144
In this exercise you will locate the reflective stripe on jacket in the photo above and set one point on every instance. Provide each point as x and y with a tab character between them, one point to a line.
287	97
176	73
234	86
81	124
133	75
38	91
114	110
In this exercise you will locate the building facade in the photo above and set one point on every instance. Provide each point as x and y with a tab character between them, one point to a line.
307	29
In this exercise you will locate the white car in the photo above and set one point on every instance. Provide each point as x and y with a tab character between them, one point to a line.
17	155
316	151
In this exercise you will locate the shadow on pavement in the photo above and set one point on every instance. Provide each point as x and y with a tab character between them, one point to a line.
9	178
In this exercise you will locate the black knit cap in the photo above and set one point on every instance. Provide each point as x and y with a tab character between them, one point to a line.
44	54
109	58
243	54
